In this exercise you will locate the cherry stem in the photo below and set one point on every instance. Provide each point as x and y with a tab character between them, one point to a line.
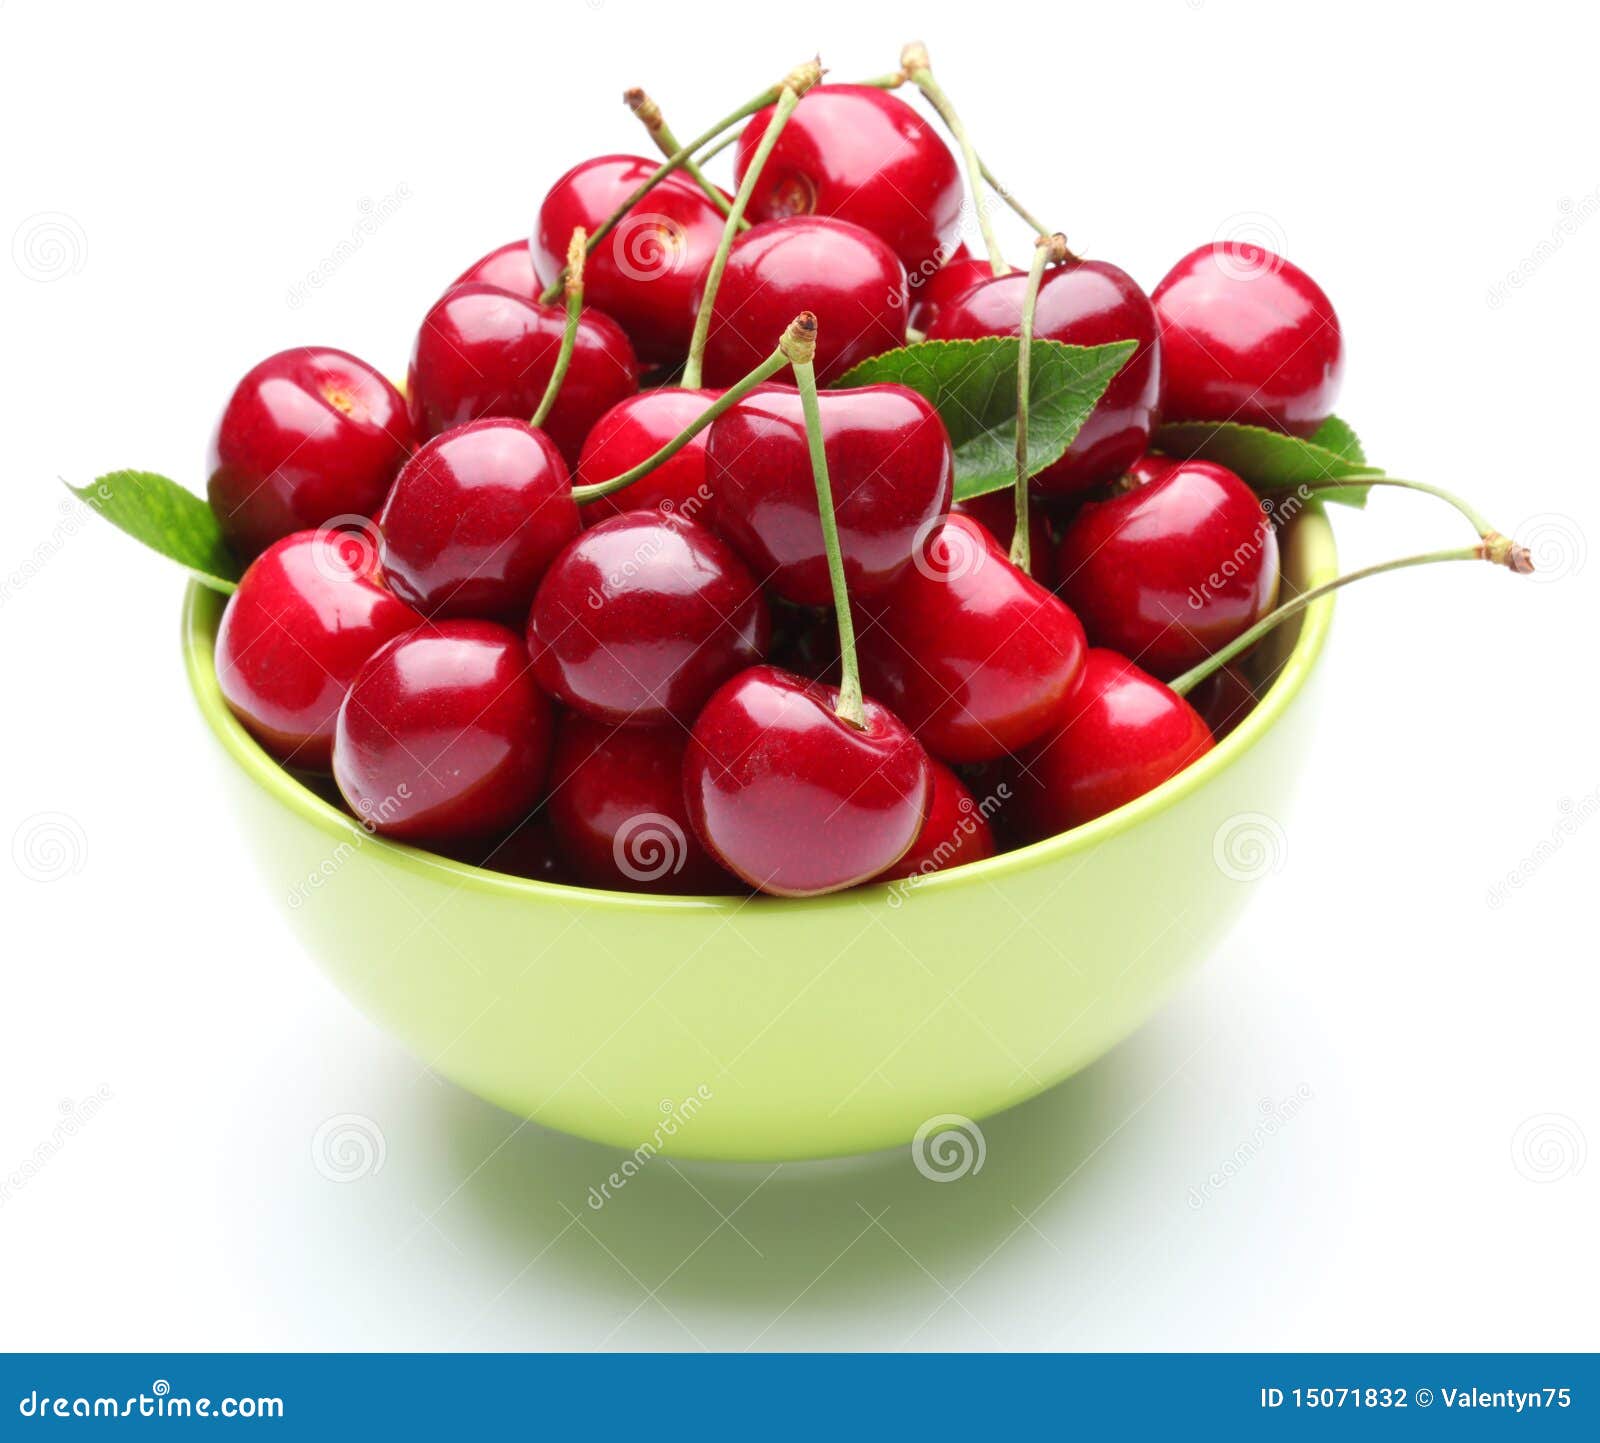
666	142
799	344
711	152
1046	248
573	286
892	81
725	402
799	80
662	171
1485	531
1506	555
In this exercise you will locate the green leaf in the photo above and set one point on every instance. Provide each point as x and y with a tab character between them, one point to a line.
1271	461
973	386
166	518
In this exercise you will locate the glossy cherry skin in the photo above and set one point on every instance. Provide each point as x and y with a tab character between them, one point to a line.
1124	734
933	290
642	617
996	512
308	435
890	470
485	352
954	832
634	430
1173	569
444	735
1084	303
860	154
849	278
1246	336
507	268
308	612
645	272
616	804
792	798
976	657
475	518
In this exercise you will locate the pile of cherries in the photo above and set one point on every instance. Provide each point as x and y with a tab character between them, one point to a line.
648	686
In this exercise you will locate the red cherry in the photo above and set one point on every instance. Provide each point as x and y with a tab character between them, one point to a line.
642	617
860	154
509	268
1247	337
616	803
1175	568
849	278
889	466
805	640
635	429
308	612
1084	303
645	272
1124	734
1224	699
529	850
308	436
932	291
484	352
955	831
475	518
996	512
444	735
794	799
978	658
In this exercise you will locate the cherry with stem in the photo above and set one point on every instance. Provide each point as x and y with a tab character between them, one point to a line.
799	344
796	84
572	286
666	142
1046	248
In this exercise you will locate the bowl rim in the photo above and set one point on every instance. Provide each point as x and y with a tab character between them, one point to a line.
201	611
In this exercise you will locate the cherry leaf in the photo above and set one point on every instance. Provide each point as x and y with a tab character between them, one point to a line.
1271	461
168	519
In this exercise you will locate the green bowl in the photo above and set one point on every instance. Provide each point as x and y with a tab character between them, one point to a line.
732	1028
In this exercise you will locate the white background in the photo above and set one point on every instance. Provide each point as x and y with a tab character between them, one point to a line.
197	164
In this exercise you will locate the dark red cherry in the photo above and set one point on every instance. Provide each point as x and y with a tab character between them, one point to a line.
955	831
509	268
1124	734
849	278
444	735
634	430
996	512
616	803
645	273
1224	699
642	617
976	657
1248	337
890	469
805	640
933	290
1173	569
308	612
860	154
794	799
308	436
484	352
475	518
1084	303
529	849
